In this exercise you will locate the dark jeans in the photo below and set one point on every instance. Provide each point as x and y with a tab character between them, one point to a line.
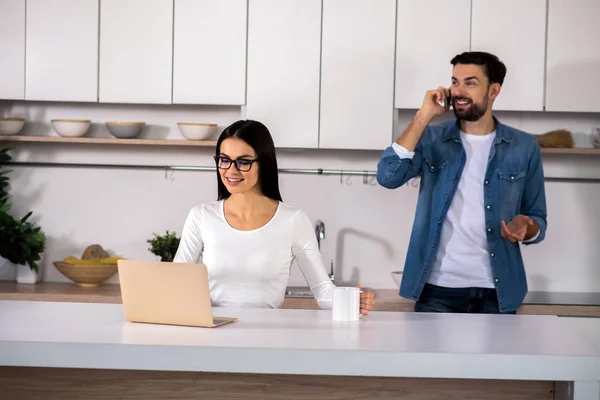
458	300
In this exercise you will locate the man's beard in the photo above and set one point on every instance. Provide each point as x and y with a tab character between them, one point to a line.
472	113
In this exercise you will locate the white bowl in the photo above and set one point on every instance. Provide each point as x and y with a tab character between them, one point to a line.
125	130
397	275
196	131
11	126
71	127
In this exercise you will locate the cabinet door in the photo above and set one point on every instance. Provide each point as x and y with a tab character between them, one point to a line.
136	51
357	78
573	60
209	65
429	34
284	39
12	49
62	50
515	31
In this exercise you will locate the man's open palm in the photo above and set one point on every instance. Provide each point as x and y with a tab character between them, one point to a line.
516	229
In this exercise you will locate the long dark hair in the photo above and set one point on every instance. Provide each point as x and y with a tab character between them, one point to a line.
259	138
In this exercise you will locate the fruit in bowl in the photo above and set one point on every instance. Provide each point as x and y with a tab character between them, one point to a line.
197	131
71	127
94	267
11	126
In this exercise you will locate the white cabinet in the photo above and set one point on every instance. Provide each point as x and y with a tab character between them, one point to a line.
12	49
357	78
573	59
515	31
284	39
429	34
136	51
62	50
209	65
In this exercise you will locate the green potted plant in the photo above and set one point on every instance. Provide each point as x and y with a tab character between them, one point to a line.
165	246
4	181
7	271
22	243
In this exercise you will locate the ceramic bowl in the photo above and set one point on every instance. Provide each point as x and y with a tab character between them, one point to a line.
86	275
125	130
11	126
71	127
197	131
397	276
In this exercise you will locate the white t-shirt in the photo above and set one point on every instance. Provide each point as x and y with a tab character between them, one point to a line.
252	268
462	258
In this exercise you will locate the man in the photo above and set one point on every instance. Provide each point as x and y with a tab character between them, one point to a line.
482	193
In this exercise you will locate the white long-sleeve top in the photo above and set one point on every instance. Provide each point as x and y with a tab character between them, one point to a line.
252	268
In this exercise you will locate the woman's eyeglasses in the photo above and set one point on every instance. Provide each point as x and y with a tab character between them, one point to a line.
243	165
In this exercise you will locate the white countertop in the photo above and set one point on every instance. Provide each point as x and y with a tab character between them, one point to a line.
85	335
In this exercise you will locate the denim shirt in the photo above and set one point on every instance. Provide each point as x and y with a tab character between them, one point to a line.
514	184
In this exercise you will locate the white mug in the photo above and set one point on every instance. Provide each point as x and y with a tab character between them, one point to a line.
346	304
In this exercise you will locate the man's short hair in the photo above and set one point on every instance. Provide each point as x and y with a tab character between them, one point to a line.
493	68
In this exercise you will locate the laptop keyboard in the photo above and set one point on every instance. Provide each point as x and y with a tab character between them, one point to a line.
219	321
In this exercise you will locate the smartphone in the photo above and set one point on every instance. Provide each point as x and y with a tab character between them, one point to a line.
448	101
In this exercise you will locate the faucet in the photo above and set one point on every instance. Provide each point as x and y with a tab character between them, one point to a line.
320	232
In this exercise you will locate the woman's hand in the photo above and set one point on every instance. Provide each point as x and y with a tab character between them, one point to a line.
367	299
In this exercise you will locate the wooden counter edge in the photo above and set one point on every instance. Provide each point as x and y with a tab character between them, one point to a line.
385	299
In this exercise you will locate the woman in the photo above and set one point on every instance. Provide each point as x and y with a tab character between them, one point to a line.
249	238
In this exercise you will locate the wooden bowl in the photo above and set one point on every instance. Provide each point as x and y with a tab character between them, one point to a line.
11	126
86	275
71	127
125	130
197	131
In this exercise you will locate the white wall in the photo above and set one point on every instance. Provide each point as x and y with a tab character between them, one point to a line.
367	227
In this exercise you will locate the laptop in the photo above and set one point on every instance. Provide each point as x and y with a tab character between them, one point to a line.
167	293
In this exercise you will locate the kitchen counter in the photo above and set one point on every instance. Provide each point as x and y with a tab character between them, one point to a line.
536	303
563	298
47	347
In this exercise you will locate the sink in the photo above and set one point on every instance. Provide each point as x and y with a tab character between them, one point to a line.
298	292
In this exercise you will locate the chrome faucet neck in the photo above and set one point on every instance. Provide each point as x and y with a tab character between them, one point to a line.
320	232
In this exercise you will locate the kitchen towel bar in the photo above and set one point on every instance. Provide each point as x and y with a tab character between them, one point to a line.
317	171
167	168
